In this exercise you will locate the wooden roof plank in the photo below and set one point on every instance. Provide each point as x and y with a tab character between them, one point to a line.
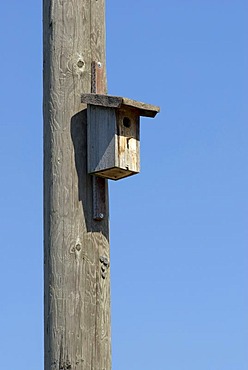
110	101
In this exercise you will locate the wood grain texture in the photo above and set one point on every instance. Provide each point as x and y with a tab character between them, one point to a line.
77	293
109	101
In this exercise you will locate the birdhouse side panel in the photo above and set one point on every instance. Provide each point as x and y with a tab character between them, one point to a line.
128	140
101	128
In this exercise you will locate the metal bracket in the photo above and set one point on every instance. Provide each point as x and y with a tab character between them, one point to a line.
97	78
99	198
99	184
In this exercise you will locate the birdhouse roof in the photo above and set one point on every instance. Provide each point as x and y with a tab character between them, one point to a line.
109	101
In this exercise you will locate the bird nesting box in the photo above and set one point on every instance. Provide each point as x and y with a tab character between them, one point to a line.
114	134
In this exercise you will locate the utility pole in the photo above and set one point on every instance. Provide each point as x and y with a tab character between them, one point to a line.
89	137
76	238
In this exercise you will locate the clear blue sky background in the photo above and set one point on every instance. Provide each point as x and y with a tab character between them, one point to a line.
179	231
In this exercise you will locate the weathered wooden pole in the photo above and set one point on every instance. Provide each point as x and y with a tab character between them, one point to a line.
76	242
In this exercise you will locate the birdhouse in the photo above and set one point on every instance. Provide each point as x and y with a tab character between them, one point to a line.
114	134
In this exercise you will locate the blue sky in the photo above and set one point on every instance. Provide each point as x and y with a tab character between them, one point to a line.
179	261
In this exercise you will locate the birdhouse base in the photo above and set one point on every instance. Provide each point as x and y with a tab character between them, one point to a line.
114	173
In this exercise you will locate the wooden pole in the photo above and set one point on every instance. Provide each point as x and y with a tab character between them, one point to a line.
76	246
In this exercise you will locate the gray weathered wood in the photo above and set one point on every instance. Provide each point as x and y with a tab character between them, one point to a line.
109	101
101	138
76	248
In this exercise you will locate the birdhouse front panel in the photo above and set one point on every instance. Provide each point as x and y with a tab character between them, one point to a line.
128	140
